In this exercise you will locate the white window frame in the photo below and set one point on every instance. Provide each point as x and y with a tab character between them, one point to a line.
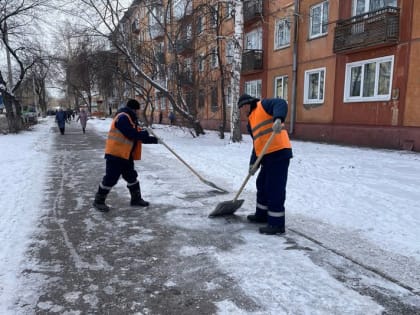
376	96
229	52
214	17
321	87
284	92
367	6
201	64
162	102
322	17
253	40
282	33
253	88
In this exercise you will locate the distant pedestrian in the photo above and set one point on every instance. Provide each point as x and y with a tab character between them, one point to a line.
171	117
160	117
61	118
123	146
83	117
264	118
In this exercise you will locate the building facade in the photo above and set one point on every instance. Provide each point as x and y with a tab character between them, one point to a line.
350	70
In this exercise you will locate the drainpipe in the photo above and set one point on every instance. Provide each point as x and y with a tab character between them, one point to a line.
294	66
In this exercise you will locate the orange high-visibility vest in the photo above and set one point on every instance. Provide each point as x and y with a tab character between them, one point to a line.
119	145
261	125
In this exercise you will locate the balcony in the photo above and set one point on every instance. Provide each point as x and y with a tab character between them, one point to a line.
160	57
186	78
252	60
376	28
184	46
252	9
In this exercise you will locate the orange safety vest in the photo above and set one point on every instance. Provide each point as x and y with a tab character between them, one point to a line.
261	125
119	145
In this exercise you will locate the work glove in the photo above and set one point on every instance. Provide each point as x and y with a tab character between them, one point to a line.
277	126
251	170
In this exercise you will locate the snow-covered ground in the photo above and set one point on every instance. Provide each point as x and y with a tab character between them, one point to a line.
360	203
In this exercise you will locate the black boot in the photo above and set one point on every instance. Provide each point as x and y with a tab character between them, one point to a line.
136	199
272	230
135	192
99	203
256	218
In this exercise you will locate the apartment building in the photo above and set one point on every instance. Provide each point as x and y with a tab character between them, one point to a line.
350	70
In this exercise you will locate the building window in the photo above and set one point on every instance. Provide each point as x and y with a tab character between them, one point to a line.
201	64
214	100
318	20
282	34
314	86
281	85
213	16
363	6
253	40
369	80
162	103
229	52
200	23
214	61
201	98
253	88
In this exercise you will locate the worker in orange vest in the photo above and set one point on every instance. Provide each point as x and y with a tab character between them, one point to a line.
122	148
265	117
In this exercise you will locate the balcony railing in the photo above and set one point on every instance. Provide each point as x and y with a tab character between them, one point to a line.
184	45
380	27
252	9
186	78
252	60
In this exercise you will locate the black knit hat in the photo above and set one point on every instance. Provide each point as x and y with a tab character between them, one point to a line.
246	99
133	104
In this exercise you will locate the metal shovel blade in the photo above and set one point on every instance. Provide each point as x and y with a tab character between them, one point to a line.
226	208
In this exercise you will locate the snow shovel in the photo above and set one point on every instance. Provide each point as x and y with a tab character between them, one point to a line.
186	164
229	207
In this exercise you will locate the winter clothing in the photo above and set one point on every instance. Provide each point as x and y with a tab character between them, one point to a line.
117	144
261	124
61	118
122	147
272	178
271	230
245	99
83	117
133	104
171	117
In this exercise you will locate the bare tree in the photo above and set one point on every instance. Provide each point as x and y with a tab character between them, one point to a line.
236	134
113	18
16	21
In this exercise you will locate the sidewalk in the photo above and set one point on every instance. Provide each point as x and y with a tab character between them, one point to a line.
138	261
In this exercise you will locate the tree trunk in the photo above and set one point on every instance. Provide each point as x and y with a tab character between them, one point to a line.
236	135
13	113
